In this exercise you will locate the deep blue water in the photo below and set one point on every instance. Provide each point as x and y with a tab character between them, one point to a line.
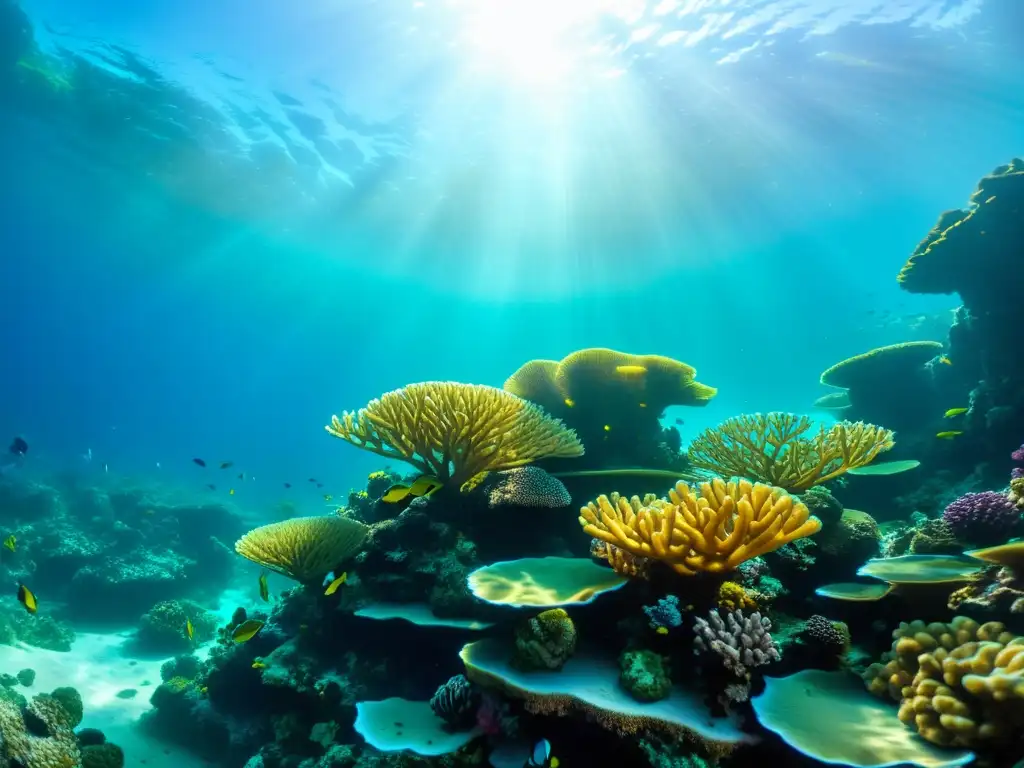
288	211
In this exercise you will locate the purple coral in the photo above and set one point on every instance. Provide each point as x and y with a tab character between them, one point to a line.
982	518
1018	455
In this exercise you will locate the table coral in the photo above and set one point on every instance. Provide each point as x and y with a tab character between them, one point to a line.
781	449
958	684
454	431
712	528
303	548
546	641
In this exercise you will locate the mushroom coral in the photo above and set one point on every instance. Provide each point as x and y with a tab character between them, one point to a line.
776	448
456	432
303	548
713	529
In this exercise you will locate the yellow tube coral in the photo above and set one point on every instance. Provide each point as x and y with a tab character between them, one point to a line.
713	529
776	448
303	548
455	431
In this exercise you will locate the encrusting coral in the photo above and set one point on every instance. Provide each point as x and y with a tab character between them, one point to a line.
776	448
713	529
958	684
456	432
303	548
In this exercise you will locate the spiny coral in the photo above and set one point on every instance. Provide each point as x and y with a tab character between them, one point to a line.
303	548
456	431
527	486
546	641
714	528
776	448
958	684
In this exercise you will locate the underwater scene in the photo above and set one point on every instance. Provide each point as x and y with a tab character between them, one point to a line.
511	383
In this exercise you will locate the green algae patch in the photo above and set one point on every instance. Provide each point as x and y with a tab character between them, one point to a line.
396	725
590	683
854	592
543	582
828	716
922	569
418	614
882	468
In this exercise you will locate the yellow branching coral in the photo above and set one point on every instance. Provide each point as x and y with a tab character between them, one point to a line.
781	449
713	529
303	548
456	431
958	684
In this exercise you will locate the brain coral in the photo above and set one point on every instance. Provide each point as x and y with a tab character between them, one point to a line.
958	684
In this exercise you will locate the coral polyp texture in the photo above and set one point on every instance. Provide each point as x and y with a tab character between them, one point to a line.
527	486
713	528
784	449
987	517
456	432
303	548
958	684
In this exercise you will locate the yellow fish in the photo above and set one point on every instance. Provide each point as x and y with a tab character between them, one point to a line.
630	370
569	402
231	492
426	485
327	497
10	542
247	630
956	412
643	405
949	435
264	589
26	598
190	631
333	586
607	428
945	360
662	630
258	665
203	690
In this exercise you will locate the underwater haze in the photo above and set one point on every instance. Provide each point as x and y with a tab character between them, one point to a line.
222	223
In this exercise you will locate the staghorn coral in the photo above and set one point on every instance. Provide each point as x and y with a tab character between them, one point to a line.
713	529
527	486
455	431
958	684
546	641
303	548
49	743
982	518
743	643
776	448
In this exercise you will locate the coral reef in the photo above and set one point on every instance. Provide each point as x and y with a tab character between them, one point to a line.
162	628
303	548
546	641
776	448
987	517
456	432
714	528
644	674
40	736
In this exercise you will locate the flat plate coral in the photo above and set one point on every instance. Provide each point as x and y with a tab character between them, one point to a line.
419	614
886	467
392	725
591	683
922	569
829	716
543	582
854	592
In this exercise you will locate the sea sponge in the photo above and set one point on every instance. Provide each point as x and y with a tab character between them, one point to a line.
456	432
645	675
546	641
732	596
303	548
776	448
712	528
50	743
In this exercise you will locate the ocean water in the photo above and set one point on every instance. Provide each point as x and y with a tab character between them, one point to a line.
223	222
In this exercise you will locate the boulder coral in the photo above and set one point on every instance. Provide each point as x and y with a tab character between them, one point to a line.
546	641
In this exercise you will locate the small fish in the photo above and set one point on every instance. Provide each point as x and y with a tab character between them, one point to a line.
327	497
247	630
679	422
949	435
211	486
312	479
334	584
426	485
203	690
10	542
319	485
264	589
643	405
662	630
18	446
955	412
607	428
945	360
106	468
26	598
226	464
287	485
569	402
541	757
231	492
241	475
259	664
190	631
200	462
